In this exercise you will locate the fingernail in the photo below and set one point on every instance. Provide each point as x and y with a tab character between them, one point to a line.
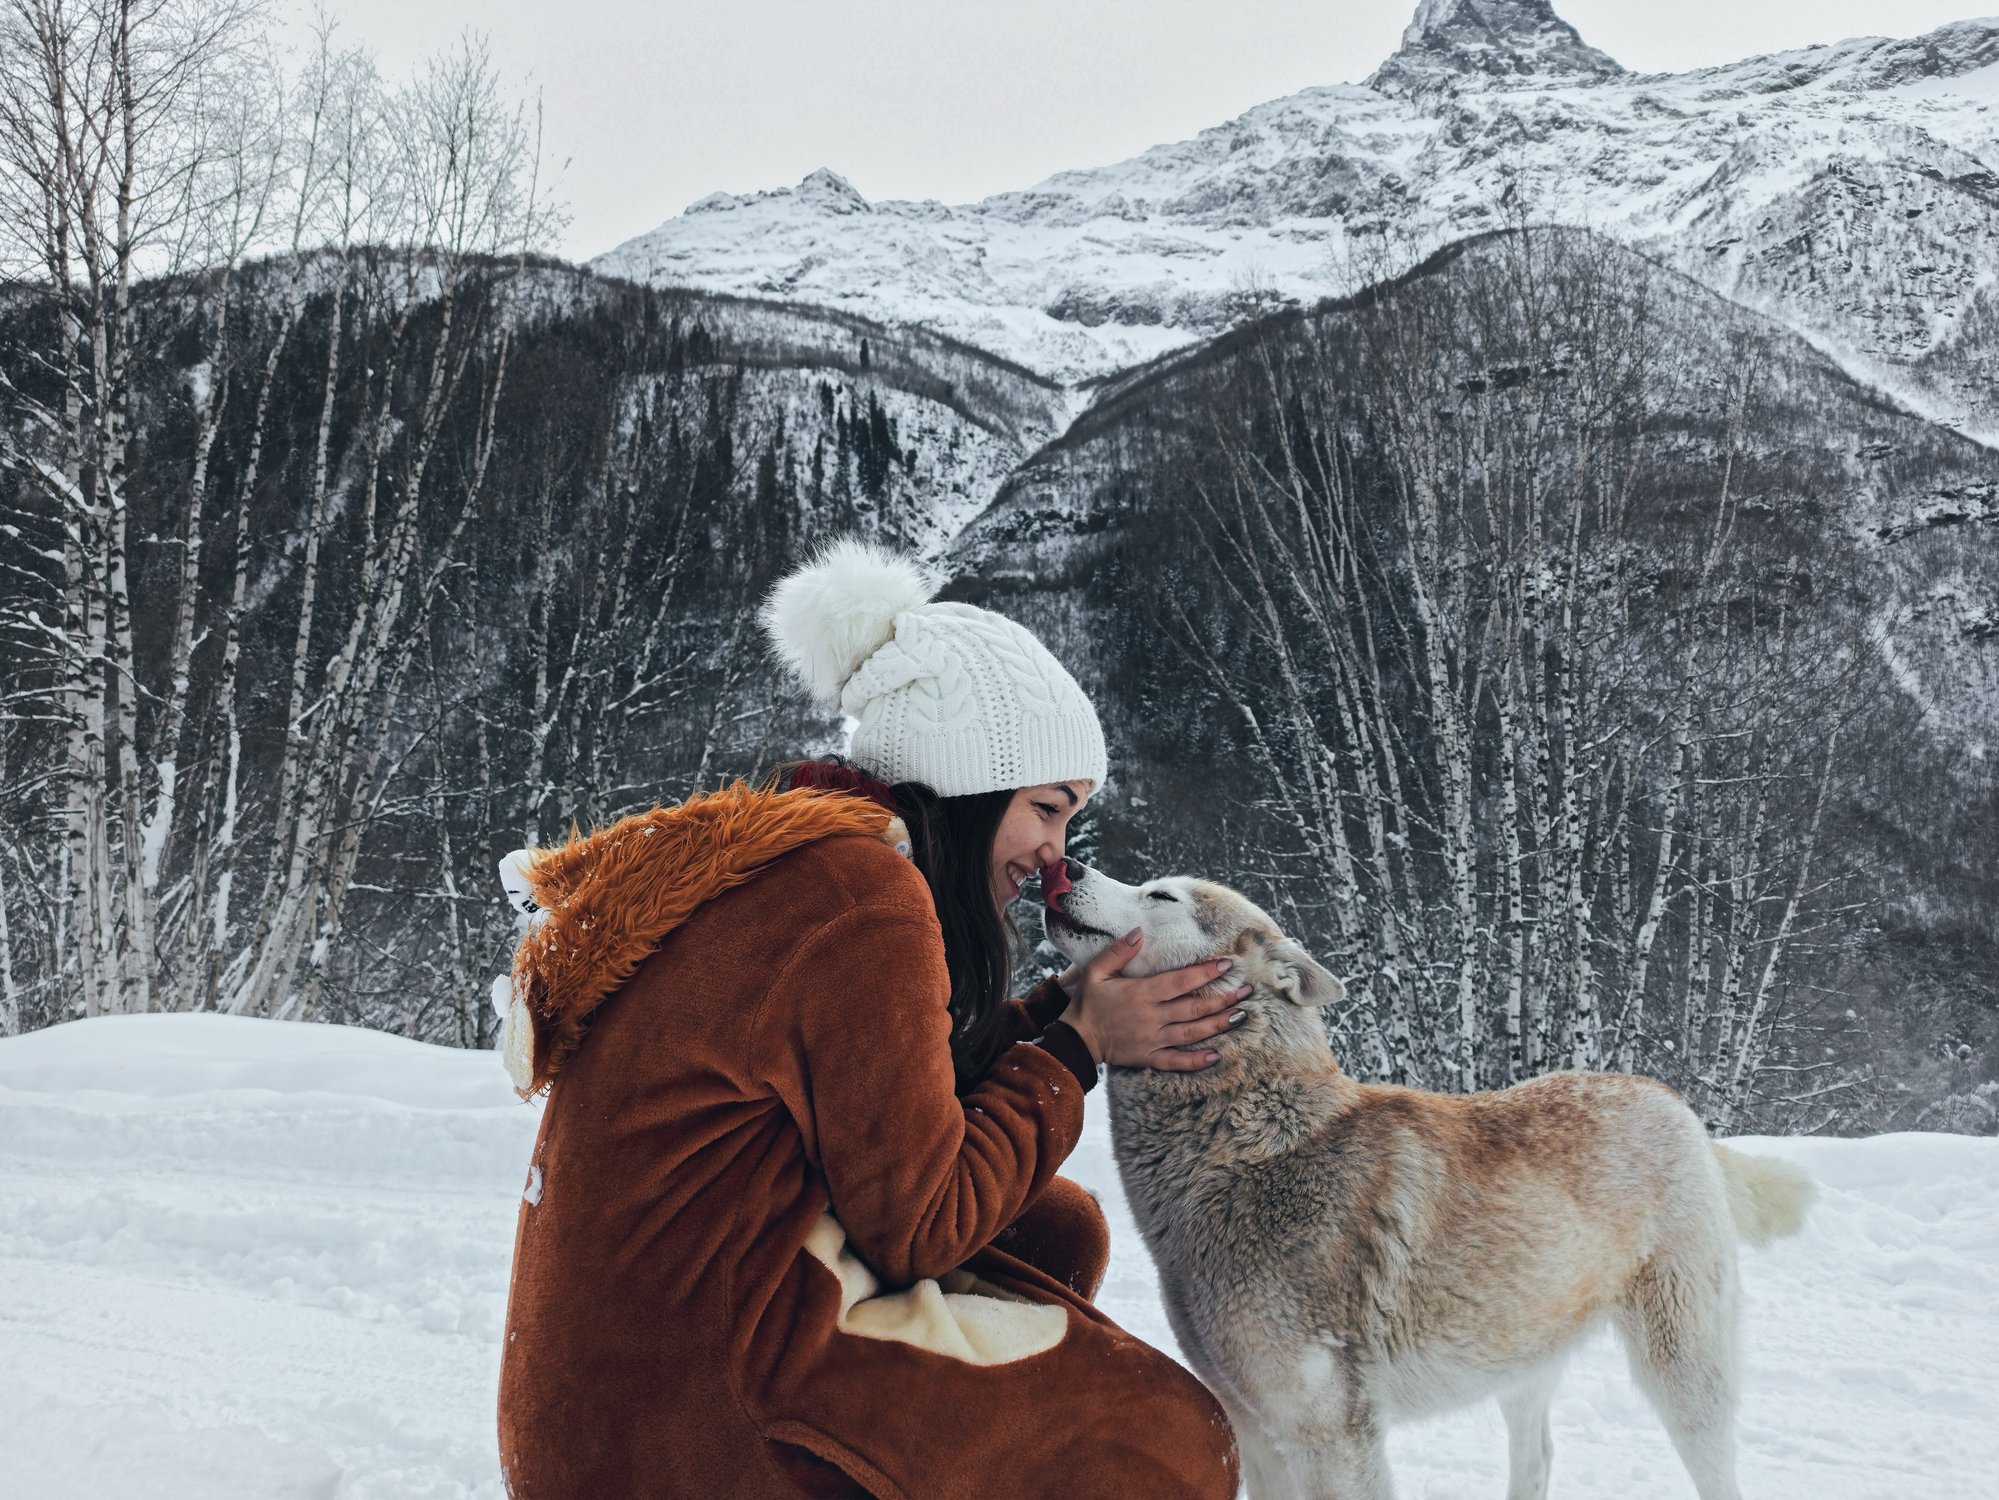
1212	1057
1132	936
1237	1017
1222	966
1243	993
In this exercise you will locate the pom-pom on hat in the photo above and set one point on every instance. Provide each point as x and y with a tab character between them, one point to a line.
951	695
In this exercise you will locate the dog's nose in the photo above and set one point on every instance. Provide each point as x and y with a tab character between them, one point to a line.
1073	870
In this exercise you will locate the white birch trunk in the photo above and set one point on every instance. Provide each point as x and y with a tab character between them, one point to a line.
10	993
1748	1048
1632	1009
1513	855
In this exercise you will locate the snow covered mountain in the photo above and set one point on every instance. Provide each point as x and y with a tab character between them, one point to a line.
1850	190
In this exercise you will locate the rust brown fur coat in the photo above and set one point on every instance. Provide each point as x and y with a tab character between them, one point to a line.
765	1248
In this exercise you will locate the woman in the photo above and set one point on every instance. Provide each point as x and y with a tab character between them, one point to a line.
792	1224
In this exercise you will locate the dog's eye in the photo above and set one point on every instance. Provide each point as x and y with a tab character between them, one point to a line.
1160	896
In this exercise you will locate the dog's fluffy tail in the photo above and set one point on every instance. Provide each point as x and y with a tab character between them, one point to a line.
1767	1198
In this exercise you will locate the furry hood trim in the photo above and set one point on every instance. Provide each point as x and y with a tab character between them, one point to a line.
601	903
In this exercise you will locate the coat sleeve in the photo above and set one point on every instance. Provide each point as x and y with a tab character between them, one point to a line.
1027	1018
855	1037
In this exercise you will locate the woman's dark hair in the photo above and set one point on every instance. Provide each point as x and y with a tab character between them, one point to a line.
951	839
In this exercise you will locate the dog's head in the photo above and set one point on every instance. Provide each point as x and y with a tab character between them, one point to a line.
1187	920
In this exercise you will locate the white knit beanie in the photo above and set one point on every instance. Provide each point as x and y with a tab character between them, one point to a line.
951	695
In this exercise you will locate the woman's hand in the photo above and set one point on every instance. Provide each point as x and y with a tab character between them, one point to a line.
1140	1022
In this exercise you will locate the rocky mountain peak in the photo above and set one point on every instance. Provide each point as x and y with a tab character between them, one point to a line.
1454	42
829	192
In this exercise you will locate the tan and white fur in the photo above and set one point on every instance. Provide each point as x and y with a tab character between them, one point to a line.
1337	1256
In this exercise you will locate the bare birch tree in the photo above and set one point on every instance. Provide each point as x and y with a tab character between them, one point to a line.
158	139
460	187
106	154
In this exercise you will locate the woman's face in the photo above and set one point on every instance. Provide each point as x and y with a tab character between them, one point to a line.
1032	833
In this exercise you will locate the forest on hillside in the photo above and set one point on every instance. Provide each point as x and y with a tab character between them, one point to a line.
1595	673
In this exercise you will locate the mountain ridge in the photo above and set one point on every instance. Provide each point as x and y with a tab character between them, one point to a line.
1849	189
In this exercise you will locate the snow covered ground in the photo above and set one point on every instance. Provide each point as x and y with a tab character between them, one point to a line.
244	1260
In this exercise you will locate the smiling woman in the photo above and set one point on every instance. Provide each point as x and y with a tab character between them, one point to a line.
796	1210
1031	834
976	851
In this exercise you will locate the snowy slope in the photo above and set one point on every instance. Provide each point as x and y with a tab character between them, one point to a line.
246	1259
1852	190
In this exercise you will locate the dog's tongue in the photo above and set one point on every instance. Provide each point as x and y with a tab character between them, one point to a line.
1054	881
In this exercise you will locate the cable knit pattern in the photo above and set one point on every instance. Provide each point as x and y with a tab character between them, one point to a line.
966	700
954	696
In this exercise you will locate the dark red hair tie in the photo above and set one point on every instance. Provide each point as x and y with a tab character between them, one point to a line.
830	776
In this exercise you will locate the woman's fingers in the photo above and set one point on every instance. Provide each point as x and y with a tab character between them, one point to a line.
1183	1032
1166	1060
1174	983
1112	960
1194	1007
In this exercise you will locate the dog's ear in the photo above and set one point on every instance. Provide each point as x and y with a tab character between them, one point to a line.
1301	978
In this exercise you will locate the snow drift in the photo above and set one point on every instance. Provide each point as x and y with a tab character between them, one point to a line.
255	1259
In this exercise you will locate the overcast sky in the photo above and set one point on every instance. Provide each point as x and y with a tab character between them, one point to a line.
654	103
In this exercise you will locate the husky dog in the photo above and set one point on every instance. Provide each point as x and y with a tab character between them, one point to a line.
1336	1256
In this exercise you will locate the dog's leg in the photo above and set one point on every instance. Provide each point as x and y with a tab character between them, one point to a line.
1679	1325
1319	1417
1264	1473
1340	1461
1530	1448
1342	1468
